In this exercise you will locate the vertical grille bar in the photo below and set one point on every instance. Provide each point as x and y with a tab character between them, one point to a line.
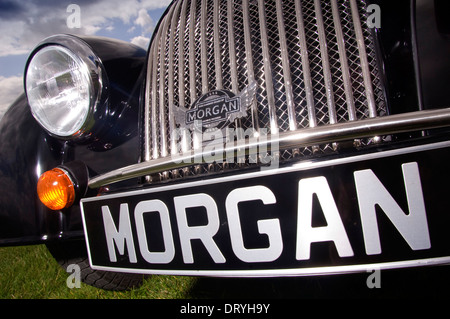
181	70
286	68
162	91
232	54
343	61
232	47
147	111
313	63
192	64
171	74
267	68
325	63
192	75
249	60
363	58
305	65
203	47
154	112
217	58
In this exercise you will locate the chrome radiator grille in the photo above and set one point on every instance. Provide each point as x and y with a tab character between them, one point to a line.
313	62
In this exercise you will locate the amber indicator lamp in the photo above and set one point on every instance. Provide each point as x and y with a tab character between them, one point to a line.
55	189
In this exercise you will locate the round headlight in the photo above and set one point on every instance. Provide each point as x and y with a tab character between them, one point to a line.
66	86
59	90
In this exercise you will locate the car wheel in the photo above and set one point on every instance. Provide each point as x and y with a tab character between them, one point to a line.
74	253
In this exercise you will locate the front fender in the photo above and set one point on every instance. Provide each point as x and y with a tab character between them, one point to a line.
27	150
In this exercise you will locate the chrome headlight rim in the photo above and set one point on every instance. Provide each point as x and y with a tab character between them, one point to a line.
98	83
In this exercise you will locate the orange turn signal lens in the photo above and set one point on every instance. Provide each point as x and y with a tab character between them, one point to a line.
55	189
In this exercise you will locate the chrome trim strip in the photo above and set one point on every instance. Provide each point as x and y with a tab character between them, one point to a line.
290	272
302	166
392	124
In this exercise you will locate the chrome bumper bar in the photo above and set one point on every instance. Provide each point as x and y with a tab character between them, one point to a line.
379	126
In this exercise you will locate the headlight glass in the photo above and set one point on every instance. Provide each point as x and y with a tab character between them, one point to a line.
59	89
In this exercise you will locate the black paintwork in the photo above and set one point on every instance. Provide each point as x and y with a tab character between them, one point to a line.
433	52
26	150
412	44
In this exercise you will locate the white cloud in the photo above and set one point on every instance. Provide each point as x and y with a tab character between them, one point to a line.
10	89
27	23
24	24
145	22
141	41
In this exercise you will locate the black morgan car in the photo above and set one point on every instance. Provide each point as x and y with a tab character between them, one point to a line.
252	139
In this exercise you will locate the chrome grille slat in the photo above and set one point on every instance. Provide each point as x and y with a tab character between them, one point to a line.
273	125
343	60
232	54
249	60
203	47
171	80
153	117
313	62
192	64
305	65
162	92
325	63
286	68
231	47
217	52
181	70
363	58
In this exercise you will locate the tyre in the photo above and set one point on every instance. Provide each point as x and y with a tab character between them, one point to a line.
74	252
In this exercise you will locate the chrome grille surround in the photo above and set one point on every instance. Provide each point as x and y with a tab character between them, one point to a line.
313	61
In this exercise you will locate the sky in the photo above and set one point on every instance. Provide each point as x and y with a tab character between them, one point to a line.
23	24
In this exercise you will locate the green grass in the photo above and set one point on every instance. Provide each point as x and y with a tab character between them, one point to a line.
30	272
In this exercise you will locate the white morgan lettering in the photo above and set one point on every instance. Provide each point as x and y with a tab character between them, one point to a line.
269	227
204	233
152	206
413	227
121	236
334	231
370	192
